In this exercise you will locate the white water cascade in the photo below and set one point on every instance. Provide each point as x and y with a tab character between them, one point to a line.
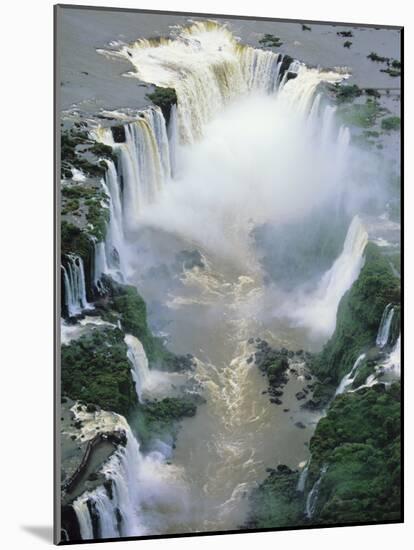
207	67
385	326
393	363
139	486
313	495
75	286
111	256
138	358
143	168
149	383
303	476
318	310
348	379
218	197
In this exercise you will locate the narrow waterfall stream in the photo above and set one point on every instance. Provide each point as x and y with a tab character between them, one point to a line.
251	142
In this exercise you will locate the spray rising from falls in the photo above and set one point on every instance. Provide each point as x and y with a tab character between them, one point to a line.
275	153
75	286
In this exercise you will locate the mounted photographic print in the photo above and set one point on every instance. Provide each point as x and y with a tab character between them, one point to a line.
228	274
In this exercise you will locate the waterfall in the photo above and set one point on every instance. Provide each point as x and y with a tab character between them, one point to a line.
260	69
137	488
122	473
348	379
318	310
111	257
393	363
313	495
81	508
173	139
150	383
207	67
138	358
143	167
303	477
384	327
75	286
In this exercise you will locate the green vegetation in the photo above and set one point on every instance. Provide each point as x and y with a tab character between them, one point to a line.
80	151
93	201
391	123
275	368
378	58
270	41
159	418
75	241
347	44
95	370
165	98
361	115
346	93
276	502
102	151
391	72
124	303
372	92
359	442
358	316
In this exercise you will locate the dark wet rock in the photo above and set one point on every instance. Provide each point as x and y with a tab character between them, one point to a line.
300	425
300	395
290	75
118	133
290	354
275	400
306	28
307	376
250	341
249	360
283	469
286	410
312	405
264	392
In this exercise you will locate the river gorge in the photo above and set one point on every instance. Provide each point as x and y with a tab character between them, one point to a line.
230	285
